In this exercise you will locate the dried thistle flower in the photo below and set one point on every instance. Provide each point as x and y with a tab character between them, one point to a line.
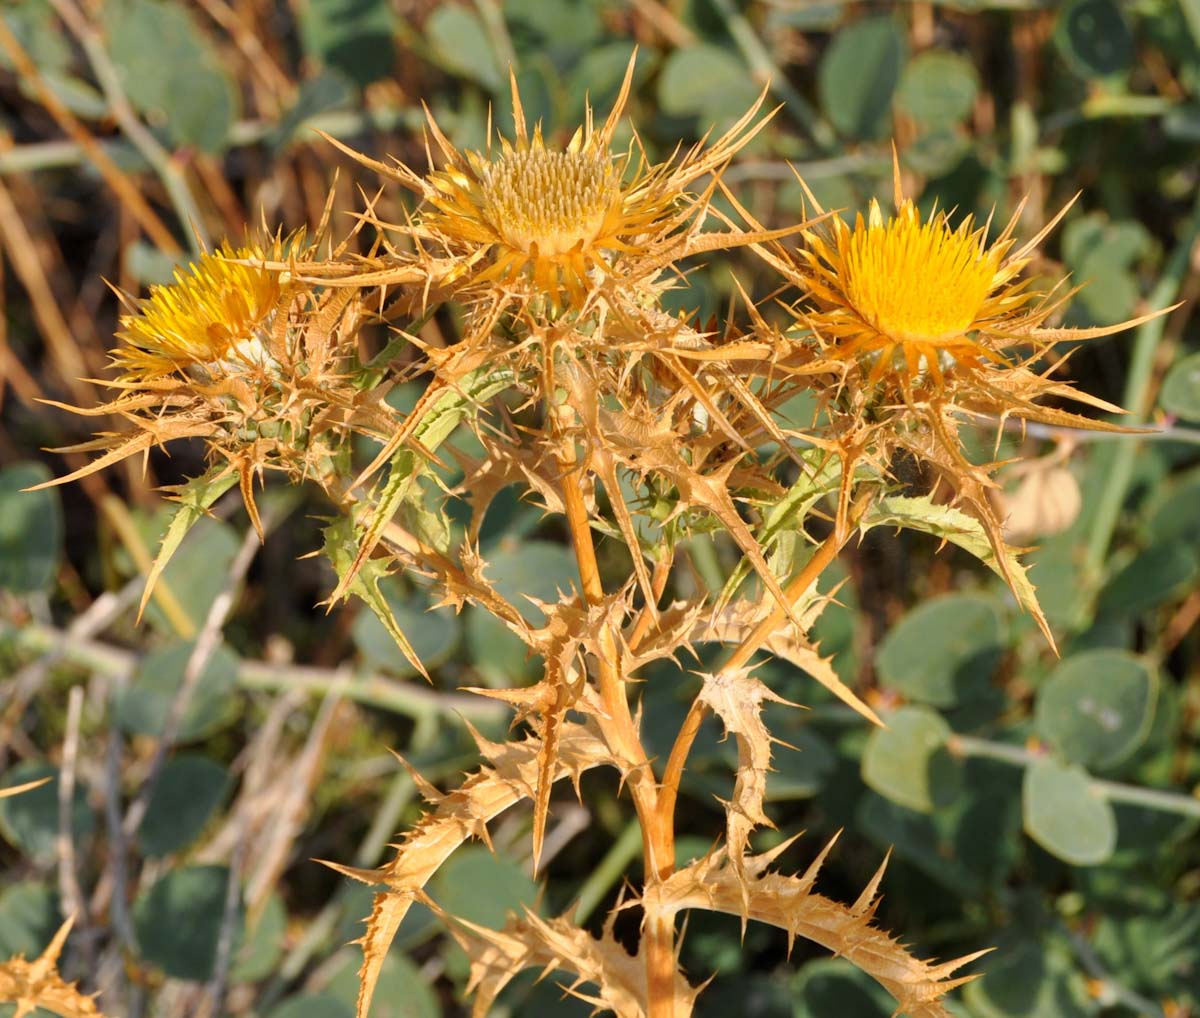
246	358
532	222
926	325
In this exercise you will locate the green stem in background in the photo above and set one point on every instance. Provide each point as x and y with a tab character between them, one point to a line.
767	72
609	871
1137	387
428	707
1113	791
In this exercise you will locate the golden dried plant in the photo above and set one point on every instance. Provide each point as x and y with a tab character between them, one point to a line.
625	421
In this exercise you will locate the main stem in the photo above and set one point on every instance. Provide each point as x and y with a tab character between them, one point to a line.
618	728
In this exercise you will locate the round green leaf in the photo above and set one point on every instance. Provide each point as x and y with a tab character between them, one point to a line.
944	651
1065	815
188	792
938	151
178	920
354	37
1157	575
538	569
938	88
261	952
1181	390
30	820
908	763
312	1005
476	885
201	105
461	45
1030	980
705	81
143	705
402	992
859	73
30	529
1097	707
29	917
1094	38
197	572
1171	511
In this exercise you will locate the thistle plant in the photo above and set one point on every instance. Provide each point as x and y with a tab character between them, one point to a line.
640	429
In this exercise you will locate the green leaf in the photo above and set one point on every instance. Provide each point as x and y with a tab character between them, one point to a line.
188	793
259	955
859	73
178	920
908	762
1159	574
313	1005
341	548
834	988
29	917
143	705
943	652
531	569
329	90
938	88
171	71
401	992
1030	979
30	530
197	569
1065	815
195	498
1181	390
705	81
480	887
1097	707
1094	38
461	45
953	525
29	821
354	37
1170	513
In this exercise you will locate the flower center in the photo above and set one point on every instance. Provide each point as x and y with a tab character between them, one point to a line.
557	201
918	283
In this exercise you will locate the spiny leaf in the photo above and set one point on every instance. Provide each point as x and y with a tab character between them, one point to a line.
789	902
953	525
510	776
364	584
554	945
34	984
737	698
195	498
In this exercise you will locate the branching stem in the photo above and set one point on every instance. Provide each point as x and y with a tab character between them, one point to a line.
796	588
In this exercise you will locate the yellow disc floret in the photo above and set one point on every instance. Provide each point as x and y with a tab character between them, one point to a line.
909	297
548	203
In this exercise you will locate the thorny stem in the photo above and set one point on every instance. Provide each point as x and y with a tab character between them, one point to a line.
796	588
618	728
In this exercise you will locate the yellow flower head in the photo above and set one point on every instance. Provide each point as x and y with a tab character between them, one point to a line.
215	311
528	219
910	297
